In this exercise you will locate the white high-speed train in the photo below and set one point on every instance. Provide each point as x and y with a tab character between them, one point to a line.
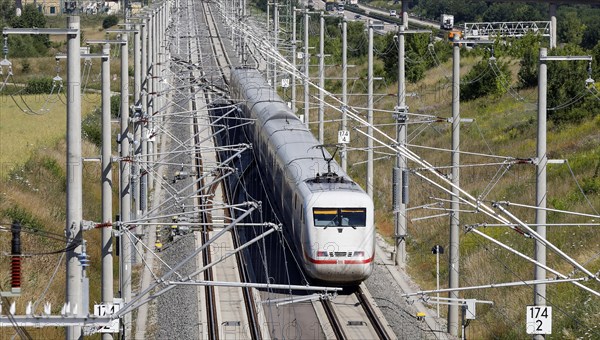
329	217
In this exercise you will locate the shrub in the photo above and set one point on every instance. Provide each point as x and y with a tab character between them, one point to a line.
26	66
487	77
91	127
115	106
110	21
39	85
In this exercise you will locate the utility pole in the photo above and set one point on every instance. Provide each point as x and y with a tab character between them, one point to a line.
344	155
144	117
306	72
275	42
125	202
76	279
400	171
453	249
150	103
539	298
243	42
294	49
75	269
370	115
322	79
553	27
137	130
540	167
269	59
107	238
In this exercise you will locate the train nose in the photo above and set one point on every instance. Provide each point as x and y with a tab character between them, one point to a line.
343	273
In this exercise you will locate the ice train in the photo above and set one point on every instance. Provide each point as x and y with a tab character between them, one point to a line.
328	216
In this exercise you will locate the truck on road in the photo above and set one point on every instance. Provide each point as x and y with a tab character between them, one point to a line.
447	21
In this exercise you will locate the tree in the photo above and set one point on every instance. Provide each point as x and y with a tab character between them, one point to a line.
571	29
528	73
569	98
357	40
487	77
26	45
110	21
417	57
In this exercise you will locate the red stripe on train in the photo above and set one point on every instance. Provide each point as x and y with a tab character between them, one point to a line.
315	261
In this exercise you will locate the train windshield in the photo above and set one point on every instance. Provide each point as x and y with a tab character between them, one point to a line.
340	217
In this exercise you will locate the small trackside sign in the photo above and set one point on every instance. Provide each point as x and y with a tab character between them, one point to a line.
106	310
539	320
343	137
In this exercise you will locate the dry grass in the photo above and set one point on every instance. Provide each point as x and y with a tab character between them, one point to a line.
36	193
21	133
503	126
32	188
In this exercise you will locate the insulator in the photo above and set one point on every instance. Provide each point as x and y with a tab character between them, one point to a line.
405	186
395	189
16	272
16	255
84	260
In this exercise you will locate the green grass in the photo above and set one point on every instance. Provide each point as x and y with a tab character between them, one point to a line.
22	133
507	127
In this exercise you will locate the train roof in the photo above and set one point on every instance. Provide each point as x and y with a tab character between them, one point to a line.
294	144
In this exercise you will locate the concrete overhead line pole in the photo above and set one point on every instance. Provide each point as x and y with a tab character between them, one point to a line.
107	213
269	59
243	48
453	251
344	154
370	114
125	196
150	103
400	171
75	268
322	79
125	179
294	49
137	122
553	27
153	36
540	166
275	41
144	118
306	72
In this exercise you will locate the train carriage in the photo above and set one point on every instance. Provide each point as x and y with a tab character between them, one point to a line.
329	217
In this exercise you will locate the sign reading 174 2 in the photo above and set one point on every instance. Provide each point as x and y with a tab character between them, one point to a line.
539	320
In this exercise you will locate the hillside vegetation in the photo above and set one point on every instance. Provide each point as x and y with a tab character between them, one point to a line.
502	101
33	166
498	91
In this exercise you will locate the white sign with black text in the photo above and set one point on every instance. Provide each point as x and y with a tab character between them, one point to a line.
106	310
539	320
343	137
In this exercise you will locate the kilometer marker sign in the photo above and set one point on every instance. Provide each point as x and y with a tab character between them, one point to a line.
539	320
343	137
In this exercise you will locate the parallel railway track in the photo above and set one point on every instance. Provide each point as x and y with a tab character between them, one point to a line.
219	61
353	316
348	316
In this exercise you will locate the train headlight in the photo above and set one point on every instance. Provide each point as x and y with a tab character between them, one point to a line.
321	253
359	253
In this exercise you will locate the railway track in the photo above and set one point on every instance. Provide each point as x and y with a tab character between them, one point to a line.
229	311
354	316
236	310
